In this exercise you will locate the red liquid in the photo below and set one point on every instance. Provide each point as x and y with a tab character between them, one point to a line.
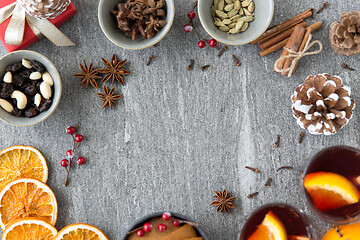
295	223
344	161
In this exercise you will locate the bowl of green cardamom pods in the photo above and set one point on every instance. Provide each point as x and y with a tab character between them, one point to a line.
235	22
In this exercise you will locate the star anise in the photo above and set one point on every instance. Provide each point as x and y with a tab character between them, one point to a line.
223	201
108	98
89	75
114	70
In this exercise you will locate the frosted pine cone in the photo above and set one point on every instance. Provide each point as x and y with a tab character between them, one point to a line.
345	34
44	8
322	105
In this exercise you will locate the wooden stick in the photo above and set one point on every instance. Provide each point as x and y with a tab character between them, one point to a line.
279	37
293	44
285	25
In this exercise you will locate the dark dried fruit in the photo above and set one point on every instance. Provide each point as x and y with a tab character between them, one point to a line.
37	84
14	67
45	105
6	90
17	112
25	74
31	112
31	89
18	81
37	66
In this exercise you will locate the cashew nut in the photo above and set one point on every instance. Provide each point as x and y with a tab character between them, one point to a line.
8	77
35	76
47	78
37	99
45	90
21	99
26	63
6	105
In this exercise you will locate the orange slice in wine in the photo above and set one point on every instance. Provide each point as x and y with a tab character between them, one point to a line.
347	232
271	228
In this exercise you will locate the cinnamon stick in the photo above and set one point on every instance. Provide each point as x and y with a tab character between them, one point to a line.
278	38
284	26
293	44
274	48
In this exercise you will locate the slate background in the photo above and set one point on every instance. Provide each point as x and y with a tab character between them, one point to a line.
179	135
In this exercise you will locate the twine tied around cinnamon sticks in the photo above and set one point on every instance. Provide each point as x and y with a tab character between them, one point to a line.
297	55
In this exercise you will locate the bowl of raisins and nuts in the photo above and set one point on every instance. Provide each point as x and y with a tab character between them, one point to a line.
30	88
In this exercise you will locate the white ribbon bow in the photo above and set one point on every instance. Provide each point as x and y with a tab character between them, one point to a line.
15	31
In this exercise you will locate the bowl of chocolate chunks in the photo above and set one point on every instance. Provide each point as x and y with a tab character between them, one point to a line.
30	88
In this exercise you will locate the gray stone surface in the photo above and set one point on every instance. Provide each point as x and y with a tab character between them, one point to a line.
179	135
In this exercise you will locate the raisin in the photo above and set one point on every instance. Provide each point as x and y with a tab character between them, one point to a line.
31	89
6	90
17	112
18	81
45	105
31	112
37	66
25	74
14	67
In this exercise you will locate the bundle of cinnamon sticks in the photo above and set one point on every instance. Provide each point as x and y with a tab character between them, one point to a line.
277	37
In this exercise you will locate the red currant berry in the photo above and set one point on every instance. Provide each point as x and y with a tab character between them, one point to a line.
176	223
162	227
79	138
140	233
64	163
201	44
166	216
191	14
147	227
212	43
71	130
81	160
188	28
70	154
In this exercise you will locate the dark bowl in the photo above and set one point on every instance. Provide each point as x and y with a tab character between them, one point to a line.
139	222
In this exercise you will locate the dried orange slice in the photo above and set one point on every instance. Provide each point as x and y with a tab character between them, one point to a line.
27	197
29	228
348	232
271	228
22	161
330	190
80	231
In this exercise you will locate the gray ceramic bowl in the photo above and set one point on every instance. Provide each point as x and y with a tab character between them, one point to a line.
138	223
264	10
116	36
30	55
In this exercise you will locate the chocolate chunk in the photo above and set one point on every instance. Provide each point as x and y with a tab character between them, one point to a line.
31	112
45	105
25	74
18	81
37	66
14	67
31	89
6	90
17	112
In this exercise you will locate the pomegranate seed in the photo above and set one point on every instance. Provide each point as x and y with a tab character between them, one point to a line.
71	130
176	223
81	160
64	163
147	227
70	154
201	44
188	28
191	14
79	138
212	43
166	216
140	233
162	227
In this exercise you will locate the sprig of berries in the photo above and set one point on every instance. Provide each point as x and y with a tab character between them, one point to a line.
69	162
190	27
166	216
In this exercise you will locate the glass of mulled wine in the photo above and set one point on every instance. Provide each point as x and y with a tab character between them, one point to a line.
331	183
277	221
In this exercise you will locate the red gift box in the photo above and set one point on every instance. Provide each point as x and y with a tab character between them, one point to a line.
29	37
